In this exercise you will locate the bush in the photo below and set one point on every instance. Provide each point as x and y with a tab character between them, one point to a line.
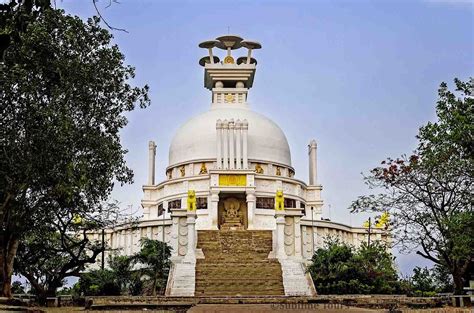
17	287
99	283
338	268
143	273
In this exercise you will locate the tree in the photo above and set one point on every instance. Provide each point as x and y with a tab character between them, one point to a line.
423	281
442	278
129	274
122	267
99	283
50	253
17	287
154	258
429	194
338	268
64	90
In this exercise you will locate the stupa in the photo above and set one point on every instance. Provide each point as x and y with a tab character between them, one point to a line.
236	218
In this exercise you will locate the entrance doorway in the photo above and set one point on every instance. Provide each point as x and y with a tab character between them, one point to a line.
232	212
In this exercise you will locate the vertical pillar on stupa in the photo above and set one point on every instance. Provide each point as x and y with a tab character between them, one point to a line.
151	162
280	234
245	159
313	165
219	144
251	205
214	209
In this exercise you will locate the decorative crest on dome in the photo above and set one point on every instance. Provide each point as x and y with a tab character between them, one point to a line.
229	43
229	73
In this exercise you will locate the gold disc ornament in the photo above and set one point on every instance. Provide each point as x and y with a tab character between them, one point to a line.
229	60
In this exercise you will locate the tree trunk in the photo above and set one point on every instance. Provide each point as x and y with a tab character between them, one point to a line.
8	256
458	283
1	259
39	289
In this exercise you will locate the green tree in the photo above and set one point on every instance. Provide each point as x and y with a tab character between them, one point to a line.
122	268
375	267
17	287
120	277
423	281
429	194
338	268
154	262
442	278
99	283
50	253
64	89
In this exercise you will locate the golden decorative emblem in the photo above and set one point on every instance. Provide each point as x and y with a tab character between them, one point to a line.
278	171
229	97
229	60
182	170
279	201
191	200
258	169
232	180
203	169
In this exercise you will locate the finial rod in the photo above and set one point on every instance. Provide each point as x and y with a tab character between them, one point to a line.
211	56
249	56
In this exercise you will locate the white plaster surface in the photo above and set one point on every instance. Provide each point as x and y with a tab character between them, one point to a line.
197	139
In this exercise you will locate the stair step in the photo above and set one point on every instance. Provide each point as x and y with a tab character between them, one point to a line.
236	263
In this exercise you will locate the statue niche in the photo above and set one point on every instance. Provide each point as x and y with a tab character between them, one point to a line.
233	214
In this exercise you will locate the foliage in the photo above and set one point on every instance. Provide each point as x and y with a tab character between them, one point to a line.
442	278
427	282
121	266
154	262
17	287
50	253
99	283
429	194
338	268
145	272
64	89
423	282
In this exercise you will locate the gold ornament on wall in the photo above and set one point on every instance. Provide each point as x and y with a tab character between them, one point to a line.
168	174
191	200
229	98
182	171
258	169
232	180
279	201
203	169
278	171
229	60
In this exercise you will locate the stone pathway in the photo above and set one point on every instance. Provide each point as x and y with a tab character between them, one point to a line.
275	308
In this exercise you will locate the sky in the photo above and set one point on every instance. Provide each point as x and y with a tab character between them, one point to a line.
360	77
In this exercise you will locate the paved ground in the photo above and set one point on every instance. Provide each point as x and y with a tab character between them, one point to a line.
262	308
275	308
267	308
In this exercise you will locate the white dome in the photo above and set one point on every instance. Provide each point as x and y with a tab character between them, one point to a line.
196	139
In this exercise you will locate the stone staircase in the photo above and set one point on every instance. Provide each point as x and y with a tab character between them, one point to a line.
236	264
181	279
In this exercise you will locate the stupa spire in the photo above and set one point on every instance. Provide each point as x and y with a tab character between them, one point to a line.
230	79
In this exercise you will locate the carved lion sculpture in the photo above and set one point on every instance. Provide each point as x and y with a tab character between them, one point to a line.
279	200
191	200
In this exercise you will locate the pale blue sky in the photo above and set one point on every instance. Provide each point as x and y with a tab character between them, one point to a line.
358	76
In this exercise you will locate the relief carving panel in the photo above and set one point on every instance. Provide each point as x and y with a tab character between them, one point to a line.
289	231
